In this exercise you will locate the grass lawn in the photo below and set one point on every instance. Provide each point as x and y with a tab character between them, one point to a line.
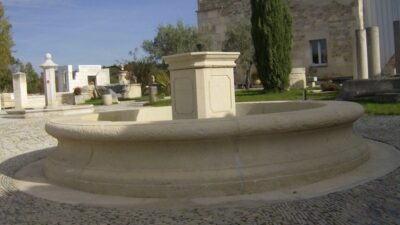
372	108
375	108
161	103
97	101
259	95
140	99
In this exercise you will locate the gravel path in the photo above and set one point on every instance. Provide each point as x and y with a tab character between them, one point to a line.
377	202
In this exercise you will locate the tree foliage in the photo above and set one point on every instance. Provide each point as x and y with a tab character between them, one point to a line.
238	39
272	37
174	39
142	69
163	80
114	71
6	43
33	81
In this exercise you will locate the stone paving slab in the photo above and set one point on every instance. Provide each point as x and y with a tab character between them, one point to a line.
377	202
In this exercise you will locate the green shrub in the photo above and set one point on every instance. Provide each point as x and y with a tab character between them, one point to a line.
163	79
161	95
329	86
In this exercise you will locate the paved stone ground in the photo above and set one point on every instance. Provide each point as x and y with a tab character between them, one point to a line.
377	202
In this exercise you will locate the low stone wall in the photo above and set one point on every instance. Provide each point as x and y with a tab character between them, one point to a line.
133	91
297	79
7	100
65	98
369	88
36	101
64	110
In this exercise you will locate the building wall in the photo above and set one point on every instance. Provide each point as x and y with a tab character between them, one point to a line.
382	13
61	76
64	77
103	77
218	15
333	20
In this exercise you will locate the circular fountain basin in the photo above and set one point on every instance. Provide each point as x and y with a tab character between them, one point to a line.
266	146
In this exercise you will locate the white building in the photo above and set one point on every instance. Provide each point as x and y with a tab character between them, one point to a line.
68	78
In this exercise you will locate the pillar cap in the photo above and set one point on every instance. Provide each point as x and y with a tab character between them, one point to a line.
48	63
197	60
18	74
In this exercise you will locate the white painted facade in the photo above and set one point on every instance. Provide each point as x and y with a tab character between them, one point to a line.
382	13
68	79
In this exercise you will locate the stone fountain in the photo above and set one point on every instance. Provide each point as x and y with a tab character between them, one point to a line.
205	144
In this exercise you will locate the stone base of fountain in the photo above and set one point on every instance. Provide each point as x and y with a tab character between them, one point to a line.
265	147
383	160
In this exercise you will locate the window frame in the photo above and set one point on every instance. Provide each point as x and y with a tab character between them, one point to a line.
319	48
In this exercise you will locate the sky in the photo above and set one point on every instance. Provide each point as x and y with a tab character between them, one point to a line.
86	32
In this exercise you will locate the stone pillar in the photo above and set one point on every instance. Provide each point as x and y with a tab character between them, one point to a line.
359	11
49	79
202	84
374	52
20	91
153	91
396	26
362	54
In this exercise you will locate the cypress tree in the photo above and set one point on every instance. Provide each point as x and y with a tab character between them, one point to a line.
272	37
6	43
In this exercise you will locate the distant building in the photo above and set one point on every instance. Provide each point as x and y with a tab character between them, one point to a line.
324	30
68	79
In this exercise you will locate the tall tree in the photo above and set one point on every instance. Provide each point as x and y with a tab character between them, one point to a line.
238	38
33	81
173	39
272	36
6	43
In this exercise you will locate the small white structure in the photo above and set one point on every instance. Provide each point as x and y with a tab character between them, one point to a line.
68	79
20	90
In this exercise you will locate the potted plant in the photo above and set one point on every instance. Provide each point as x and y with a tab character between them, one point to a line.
78	97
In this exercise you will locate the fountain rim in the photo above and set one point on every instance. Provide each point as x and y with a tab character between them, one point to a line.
328	114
